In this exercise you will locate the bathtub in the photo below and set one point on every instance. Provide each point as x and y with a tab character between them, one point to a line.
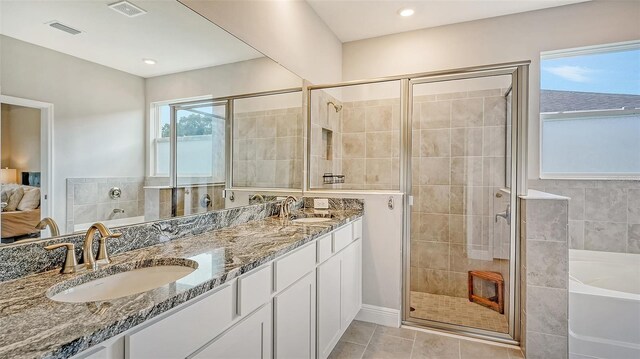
604	305
119	222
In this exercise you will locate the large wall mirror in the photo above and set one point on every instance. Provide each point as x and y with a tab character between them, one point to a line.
127	112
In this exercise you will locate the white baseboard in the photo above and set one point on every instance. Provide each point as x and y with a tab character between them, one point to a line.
379	315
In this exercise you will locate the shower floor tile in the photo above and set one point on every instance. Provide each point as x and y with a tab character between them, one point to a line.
456	310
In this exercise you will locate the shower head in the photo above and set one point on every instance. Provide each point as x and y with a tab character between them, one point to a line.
336	107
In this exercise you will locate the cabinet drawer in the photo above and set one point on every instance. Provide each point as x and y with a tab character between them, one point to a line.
342	237
254	289
249	339
357	229
294	266
325	248
181	333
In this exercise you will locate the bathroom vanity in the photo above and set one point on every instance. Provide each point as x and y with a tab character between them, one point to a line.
273	287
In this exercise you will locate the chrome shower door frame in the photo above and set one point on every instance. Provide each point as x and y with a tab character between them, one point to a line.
519	110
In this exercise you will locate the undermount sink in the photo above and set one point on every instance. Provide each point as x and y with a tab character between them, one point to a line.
122	280
311	220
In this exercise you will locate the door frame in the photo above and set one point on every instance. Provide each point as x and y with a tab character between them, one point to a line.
46	149
519	111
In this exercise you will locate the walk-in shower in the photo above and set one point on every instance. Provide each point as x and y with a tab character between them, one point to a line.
460	251
452	142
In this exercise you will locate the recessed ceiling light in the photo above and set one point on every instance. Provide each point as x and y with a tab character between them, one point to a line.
149	61
406	12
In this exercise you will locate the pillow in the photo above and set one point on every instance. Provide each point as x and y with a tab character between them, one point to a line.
7	190
30	200
14	200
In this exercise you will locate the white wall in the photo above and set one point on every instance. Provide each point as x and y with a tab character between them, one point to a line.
496	40
289	32
98	128
237	78
20	138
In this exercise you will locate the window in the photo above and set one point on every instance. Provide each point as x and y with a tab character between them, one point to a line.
590	112
199	140
161	119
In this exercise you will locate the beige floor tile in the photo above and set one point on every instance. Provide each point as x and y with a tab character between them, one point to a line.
359	332
386	346
475	350
456	310
346	350
396	332
434	346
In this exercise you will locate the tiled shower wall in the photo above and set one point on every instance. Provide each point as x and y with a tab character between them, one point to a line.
268	148
458	169
371	144
88	199
603	215
544	269
326	139
361	142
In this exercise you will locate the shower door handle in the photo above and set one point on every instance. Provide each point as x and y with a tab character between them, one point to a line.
506	214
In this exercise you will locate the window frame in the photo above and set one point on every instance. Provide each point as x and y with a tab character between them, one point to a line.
153	133
588	50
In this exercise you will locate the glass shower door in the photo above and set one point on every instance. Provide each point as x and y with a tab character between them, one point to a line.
199	181
460	264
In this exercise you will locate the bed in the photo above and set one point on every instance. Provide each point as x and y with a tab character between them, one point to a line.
20	211
20	223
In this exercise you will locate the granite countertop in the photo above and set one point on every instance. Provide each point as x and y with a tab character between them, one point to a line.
34	326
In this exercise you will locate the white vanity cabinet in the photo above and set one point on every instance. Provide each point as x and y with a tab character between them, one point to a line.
251	338
294	313
296	306
329	320
339	287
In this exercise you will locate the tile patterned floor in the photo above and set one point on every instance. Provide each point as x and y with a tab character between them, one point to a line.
455	310
365	340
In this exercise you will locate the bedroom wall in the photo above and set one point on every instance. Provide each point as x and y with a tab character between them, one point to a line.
4	141
20	138
99	113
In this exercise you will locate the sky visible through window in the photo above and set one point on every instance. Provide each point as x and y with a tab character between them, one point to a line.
609	72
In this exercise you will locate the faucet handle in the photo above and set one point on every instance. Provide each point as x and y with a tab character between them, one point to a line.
70	262
103	255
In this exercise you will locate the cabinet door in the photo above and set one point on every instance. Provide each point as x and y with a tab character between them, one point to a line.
249	339
185	331
295	320
351	283
328	305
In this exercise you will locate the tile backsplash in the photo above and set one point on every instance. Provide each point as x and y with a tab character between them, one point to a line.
603	215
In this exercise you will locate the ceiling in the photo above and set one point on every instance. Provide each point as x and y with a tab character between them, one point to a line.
354	20
170	33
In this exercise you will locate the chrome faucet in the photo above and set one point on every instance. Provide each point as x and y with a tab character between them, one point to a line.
49	222
87	248
285	209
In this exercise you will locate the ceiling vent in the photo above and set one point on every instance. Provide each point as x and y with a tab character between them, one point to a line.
65	28
127	9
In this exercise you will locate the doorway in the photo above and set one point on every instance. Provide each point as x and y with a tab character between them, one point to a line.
26	167
463	179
